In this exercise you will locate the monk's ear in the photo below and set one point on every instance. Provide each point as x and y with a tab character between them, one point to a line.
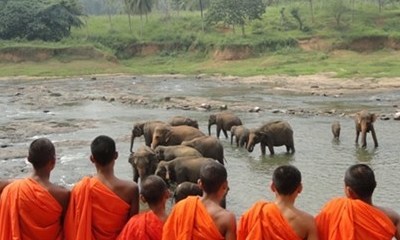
142	198
273	187
92	159
300	188
350	193
115	155
200	184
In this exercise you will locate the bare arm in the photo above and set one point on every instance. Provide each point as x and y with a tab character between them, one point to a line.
231	227
312	233
135	201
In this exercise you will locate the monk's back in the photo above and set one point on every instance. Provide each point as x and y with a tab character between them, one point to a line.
298	220
220	216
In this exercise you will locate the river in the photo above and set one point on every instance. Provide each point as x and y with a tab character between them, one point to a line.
72	112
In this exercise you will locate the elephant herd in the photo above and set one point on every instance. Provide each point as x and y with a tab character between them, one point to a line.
176	150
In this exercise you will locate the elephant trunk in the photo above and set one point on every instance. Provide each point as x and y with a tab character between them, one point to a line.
364	137
209	129
132	140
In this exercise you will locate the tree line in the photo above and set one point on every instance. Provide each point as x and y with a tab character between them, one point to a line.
52	20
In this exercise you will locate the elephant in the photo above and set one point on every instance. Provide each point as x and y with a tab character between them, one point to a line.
208	146
273	133
173	135
241	133
364	123
186	189
181	169
180	120
144	162
336	129
224	122
146	129
168	153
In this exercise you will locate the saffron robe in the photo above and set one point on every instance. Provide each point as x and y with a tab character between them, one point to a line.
94	212
145	226
189	219
264	221
28	211
345	218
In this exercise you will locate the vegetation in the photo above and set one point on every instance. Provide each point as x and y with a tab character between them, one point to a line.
41	19
171	36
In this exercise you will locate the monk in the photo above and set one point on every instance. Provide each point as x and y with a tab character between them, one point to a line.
355	217
33	208
101	205
279	219
148	225
202	217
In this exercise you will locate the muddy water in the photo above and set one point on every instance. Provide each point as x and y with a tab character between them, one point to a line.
72	112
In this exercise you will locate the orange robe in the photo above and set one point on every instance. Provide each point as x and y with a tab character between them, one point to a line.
145	226
28	211
94	212
189	219
345	218
264	221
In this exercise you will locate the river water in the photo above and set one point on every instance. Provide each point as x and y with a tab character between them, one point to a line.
72	112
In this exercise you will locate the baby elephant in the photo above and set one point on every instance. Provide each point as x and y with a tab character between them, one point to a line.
336	129
241	133
186	189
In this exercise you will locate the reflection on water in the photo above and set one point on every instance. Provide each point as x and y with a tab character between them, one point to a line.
321	159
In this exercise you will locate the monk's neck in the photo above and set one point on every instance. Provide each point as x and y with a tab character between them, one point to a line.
106	171
41	175
285	201
211	198
159	211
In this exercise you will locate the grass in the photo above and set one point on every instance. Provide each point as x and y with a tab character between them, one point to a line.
272	42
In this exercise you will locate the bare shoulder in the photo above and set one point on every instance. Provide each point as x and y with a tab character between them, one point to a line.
60	193
127	190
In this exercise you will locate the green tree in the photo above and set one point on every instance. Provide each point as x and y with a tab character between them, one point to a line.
235	12
44	20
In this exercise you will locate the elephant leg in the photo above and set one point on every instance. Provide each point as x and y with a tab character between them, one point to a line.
225	133
287	148
231	139
357	136
271	149
374	136
262	146
218	131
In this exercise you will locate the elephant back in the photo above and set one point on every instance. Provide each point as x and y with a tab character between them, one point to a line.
208	146
276	127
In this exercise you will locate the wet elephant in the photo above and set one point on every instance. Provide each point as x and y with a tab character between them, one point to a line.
365	123
241	135
181	169
180	120
168	135
186	189
336	129
144	162
168	153
274	133
208	146
146	129
224	122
